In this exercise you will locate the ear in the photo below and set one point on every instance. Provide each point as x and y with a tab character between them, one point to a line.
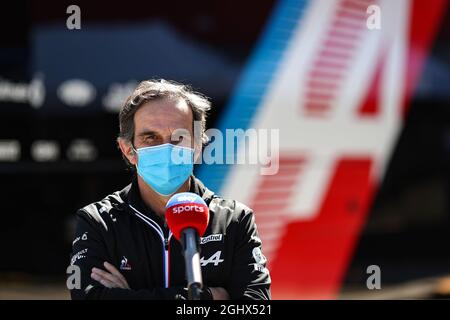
127	150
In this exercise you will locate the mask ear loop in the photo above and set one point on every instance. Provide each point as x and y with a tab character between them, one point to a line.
133	147
135	152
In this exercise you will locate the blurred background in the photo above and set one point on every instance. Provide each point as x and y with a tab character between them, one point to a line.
362	106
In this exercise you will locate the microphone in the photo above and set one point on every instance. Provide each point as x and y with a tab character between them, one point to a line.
187	216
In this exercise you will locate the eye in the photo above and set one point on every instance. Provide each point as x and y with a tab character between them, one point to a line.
150	139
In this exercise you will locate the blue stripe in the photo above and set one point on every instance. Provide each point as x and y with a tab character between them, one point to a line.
254	82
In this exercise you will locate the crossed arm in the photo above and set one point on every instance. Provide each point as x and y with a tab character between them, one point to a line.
112	278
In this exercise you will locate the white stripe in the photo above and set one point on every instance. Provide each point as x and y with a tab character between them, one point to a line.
151	223
158	230
166	267
145	218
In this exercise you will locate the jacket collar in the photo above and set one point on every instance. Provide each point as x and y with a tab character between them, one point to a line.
131	196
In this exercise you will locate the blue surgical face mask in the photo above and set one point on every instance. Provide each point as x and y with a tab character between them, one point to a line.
165	167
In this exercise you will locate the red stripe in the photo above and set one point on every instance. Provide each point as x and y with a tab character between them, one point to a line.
322	247
291	160
285	172
329	53
345	35
312	106
339	44
425	20
268	194
275	207
269	184
356	16
329	65
356	5
311	95
346	25
371	104
323	74
317	114
322	85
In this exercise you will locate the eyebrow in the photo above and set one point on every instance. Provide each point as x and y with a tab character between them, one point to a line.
148	133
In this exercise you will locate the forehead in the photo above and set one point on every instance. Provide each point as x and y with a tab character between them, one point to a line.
162	114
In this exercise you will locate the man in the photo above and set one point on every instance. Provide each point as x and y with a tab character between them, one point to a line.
123	246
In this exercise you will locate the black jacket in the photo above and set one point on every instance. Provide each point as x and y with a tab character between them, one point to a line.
122	230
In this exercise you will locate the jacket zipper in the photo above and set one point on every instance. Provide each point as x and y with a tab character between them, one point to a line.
165	242
166	261
166	257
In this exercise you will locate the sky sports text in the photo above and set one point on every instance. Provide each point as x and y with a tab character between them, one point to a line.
187	208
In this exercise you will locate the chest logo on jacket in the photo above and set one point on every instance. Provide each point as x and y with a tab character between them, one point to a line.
210	238
124	265
215	259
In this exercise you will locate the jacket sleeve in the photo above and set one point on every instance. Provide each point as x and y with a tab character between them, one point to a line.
89	250
250	277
